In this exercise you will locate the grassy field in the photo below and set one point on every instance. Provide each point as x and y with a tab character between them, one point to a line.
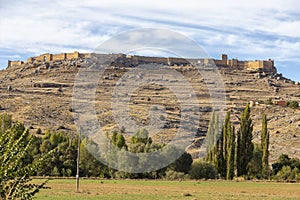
151	189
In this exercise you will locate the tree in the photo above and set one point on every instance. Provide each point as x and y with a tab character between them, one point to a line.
15	143
182	164
230	152
212	137
210	143
255	165
223	154
203	170
5	122
284	160
287	173
244	142
141	136
265	137
89	165
220	161
120	141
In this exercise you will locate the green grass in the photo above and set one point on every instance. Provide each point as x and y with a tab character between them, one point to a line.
151	189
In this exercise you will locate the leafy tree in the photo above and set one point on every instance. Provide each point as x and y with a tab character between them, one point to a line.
203	170
212	137
89	165
244	142
230	151
255	165
284	160
182	164
5	122
114	137
220	162
120	141
287	173
141	136
210	143
223	153
15	179
265	137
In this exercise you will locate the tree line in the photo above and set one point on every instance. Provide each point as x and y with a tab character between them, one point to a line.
230	154
233	153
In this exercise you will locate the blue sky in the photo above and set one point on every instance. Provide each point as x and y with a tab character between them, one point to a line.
243	29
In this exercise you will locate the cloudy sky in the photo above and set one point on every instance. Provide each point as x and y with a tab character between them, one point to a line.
243	29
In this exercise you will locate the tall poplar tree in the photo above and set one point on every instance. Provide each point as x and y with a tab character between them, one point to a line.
265	137
244	142
210	139
230	152
224	150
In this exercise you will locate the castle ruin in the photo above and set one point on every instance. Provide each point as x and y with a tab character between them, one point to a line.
132	60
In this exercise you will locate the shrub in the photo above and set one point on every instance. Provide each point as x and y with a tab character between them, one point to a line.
284	160
173	175
162	118
292	104
203	170
154	108
39	131
287	173
269	101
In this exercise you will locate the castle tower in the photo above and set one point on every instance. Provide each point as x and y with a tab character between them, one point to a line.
9	63
224	57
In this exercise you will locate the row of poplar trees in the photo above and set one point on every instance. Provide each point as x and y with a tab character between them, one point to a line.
231	151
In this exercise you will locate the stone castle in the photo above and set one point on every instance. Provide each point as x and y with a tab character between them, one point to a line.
131	60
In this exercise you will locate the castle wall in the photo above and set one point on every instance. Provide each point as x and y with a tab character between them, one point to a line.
233	63
29	60
145	59
243	64
44	57
84	55
61	56
14	63
221	62
252	65
128	60
177	61
72	55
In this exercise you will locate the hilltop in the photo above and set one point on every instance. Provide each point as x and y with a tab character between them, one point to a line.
38	92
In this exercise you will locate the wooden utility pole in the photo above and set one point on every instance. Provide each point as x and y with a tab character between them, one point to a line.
78	159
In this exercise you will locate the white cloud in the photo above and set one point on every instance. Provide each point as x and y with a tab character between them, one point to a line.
256	29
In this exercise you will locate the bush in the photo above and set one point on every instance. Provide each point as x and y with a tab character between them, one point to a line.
269	101
203	170
287	173
284	160
173	175
255	165
39	131
292	104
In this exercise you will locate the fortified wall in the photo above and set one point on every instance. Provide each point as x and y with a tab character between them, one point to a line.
133	60
54	57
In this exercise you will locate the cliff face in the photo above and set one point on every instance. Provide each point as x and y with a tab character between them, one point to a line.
39	93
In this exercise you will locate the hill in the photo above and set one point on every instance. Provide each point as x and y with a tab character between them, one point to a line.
39	93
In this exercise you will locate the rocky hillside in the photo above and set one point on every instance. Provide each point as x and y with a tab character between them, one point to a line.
40	95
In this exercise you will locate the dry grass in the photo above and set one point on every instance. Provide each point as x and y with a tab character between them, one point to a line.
151	189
